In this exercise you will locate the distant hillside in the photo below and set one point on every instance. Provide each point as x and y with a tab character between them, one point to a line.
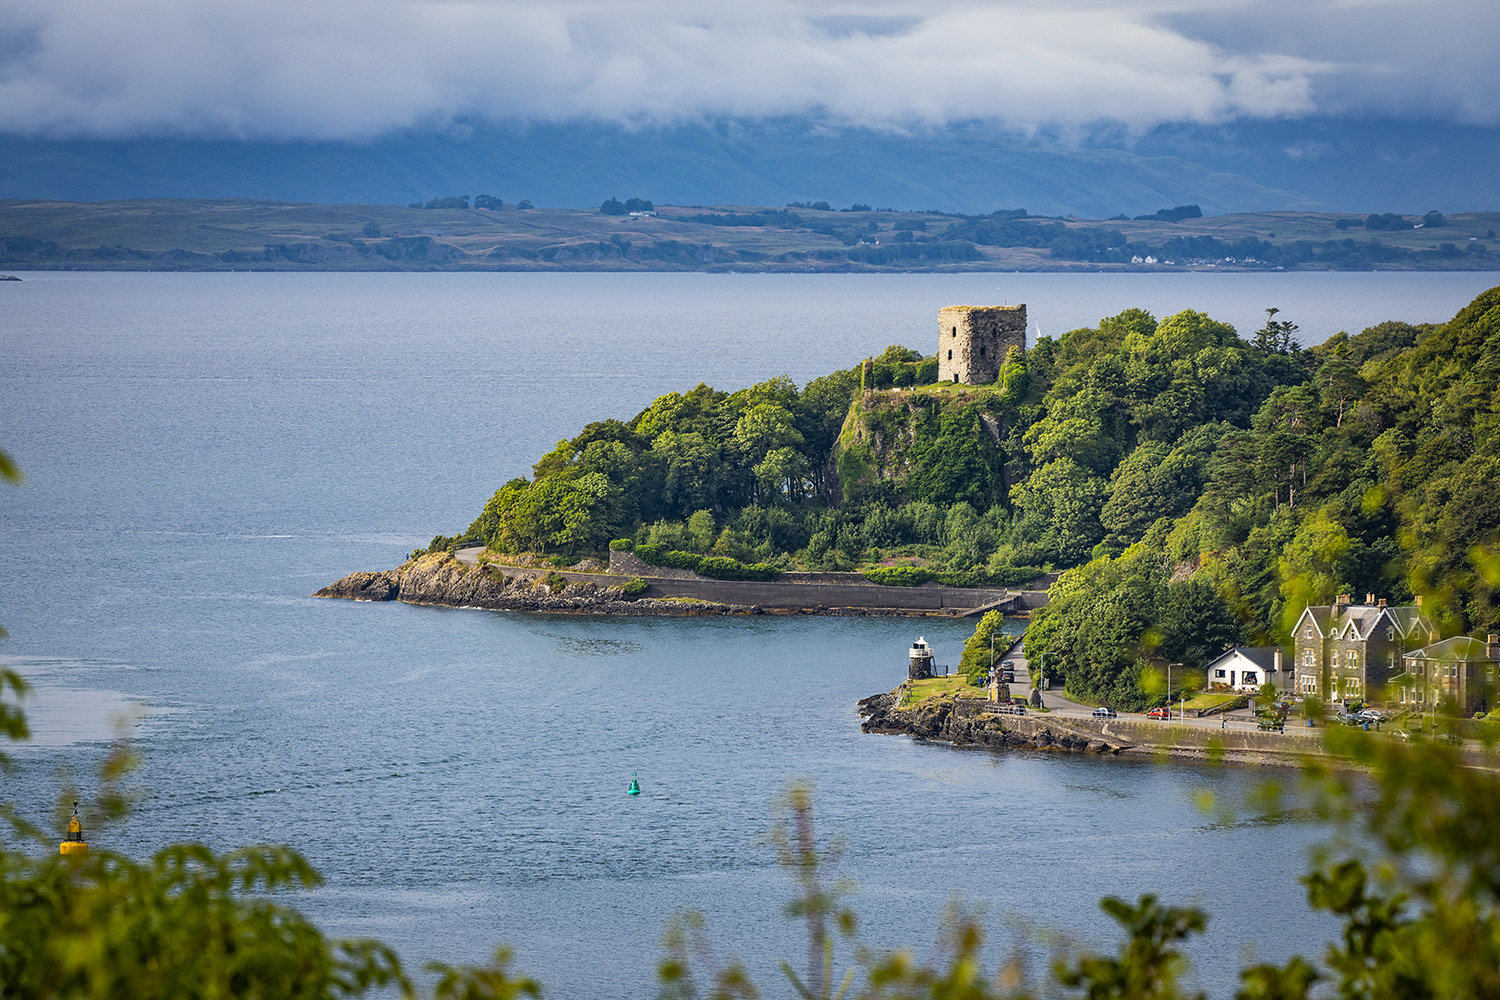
264	235
1357	166
971	170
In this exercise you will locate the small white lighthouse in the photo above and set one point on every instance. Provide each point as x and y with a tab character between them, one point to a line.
921	660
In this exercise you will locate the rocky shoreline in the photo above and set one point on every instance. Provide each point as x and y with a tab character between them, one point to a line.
441	580
961	723
972	723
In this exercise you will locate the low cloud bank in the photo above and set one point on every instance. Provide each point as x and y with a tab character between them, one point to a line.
355	69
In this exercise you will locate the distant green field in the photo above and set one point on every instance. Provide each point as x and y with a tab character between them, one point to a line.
235	234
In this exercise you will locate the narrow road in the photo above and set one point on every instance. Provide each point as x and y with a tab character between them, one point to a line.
1059	704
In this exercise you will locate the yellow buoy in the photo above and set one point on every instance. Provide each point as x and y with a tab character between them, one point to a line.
73	843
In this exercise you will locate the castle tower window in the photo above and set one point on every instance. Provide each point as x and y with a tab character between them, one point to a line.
950	355
981	350
955	331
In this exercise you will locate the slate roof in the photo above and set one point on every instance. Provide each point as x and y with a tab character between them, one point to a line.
1461	648
1262	656
1365	618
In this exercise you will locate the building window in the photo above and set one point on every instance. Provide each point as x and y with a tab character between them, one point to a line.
1218	673
950	355
981	350
1309	632
955	331
1390	634
1250	677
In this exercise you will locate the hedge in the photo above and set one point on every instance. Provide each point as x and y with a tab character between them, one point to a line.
659	555
715	567
898	576
622	545
1009	576
725	568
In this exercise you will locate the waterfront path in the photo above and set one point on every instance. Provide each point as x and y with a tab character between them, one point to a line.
1059	704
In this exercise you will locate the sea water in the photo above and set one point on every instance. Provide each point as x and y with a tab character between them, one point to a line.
203	451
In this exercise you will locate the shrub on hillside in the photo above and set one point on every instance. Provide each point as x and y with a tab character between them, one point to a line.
725	568
622	545
1009	576
898	576
635	588
658	555
975	664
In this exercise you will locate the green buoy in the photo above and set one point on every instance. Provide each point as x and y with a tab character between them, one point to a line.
635	786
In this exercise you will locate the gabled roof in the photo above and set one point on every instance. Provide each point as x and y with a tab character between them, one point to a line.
1458	649
1358	620
1262	656
1322	617
1408	620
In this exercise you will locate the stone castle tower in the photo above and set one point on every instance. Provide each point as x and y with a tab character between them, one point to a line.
973	340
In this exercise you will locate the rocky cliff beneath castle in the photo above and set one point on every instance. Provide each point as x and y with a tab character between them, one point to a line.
926	443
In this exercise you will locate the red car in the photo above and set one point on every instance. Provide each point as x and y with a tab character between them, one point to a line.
1160	712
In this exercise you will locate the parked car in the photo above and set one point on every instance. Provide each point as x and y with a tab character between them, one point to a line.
1160	712
1370	715
1272	723
1104	712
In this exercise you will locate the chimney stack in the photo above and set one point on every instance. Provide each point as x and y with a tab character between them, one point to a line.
1380	603
1492	647
1342	599
1369	598
1419	600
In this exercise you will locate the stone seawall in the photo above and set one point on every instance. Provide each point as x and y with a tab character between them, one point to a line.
817	591
969	722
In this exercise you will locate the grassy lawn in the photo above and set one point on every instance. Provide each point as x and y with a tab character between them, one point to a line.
934	688
1207	699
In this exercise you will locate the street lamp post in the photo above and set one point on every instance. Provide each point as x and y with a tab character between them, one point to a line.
1169	693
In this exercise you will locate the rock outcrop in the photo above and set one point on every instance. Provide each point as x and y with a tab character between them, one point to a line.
440	579
963	722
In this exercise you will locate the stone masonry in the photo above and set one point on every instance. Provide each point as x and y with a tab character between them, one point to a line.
973	341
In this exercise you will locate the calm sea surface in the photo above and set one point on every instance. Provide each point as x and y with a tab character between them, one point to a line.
204	451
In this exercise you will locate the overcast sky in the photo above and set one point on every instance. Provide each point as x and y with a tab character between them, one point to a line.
352	69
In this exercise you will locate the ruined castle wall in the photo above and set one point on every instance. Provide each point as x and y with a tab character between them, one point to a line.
973	341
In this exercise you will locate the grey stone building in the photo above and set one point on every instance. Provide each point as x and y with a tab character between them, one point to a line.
1351	652
1457	672
973	341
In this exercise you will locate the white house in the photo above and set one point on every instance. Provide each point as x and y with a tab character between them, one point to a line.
1246	668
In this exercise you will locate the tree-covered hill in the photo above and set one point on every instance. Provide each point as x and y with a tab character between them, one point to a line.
1200	487
1371	467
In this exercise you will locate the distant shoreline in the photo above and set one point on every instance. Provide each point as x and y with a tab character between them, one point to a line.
248	235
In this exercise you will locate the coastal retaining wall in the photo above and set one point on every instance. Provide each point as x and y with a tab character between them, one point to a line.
813	590
790	592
